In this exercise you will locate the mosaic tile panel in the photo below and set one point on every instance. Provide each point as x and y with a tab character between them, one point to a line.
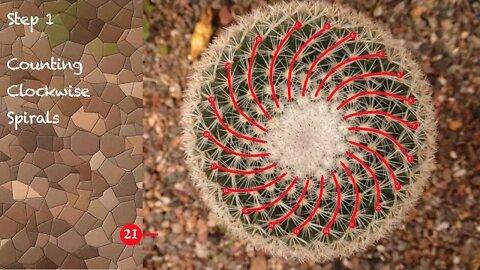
66	189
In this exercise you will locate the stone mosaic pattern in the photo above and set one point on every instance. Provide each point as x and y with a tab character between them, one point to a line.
67	189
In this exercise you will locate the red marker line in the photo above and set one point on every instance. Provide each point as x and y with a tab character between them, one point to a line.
386	114
211	100
227	190
352	35
410	100
378	205
297	230
215	166
344	63
326	230
363	76
352	223
258	40
228	67
246	211
396	184
208	135
150	234
326	27
408	157
295	27
272	224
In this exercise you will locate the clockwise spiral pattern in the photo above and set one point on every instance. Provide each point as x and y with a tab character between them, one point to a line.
308	130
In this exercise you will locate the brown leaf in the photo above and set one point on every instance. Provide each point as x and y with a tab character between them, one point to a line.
202	34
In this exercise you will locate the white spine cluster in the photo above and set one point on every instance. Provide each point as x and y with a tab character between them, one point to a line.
308	130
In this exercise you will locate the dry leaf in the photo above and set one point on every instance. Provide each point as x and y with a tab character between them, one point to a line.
202	34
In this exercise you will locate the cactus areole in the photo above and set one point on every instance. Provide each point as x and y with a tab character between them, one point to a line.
308	130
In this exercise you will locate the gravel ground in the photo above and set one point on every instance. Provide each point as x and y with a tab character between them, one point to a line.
444	231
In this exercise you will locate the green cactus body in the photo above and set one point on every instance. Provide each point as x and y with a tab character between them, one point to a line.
308	130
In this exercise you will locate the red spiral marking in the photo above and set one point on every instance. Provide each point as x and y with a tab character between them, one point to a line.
326	27
408	157
352	223
409	100
227	190
246	211
208	135
386	114
297	230
258	40
215	166
363	76
352	35
344	63
274	223
378	205
228	67
396	184
326	230
211	100
295	27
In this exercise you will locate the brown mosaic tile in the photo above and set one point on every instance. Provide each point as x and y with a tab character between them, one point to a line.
70	241
9	226
66	189
8	251
31	256
72	262
109	199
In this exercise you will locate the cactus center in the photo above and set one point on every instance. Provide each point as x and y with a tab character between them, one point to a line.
307	139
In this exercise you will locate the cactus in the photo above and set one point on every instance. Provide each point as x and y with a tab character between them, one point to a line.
308	130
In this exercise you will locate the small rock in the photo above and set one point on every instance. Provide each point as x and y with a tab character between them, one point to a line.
401	245
378	11
175	91
399	7
225	16
442	226
177	228
455	125
202	231
381	248
464	34
258	263
201	250
446	24
382	266
417	11
460	173
191	224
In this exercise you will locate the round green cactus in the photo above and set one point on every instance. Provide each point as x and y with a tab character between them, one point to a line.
308	130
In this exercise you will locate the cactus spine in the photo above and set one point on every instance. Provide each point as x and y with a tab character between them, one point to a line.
308	130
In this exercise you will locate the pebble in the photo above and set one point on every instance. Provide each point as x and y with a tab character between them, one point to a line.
460	173
201	250
225	16
258	263
381	248
177	228
442	226
202	231
455	125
